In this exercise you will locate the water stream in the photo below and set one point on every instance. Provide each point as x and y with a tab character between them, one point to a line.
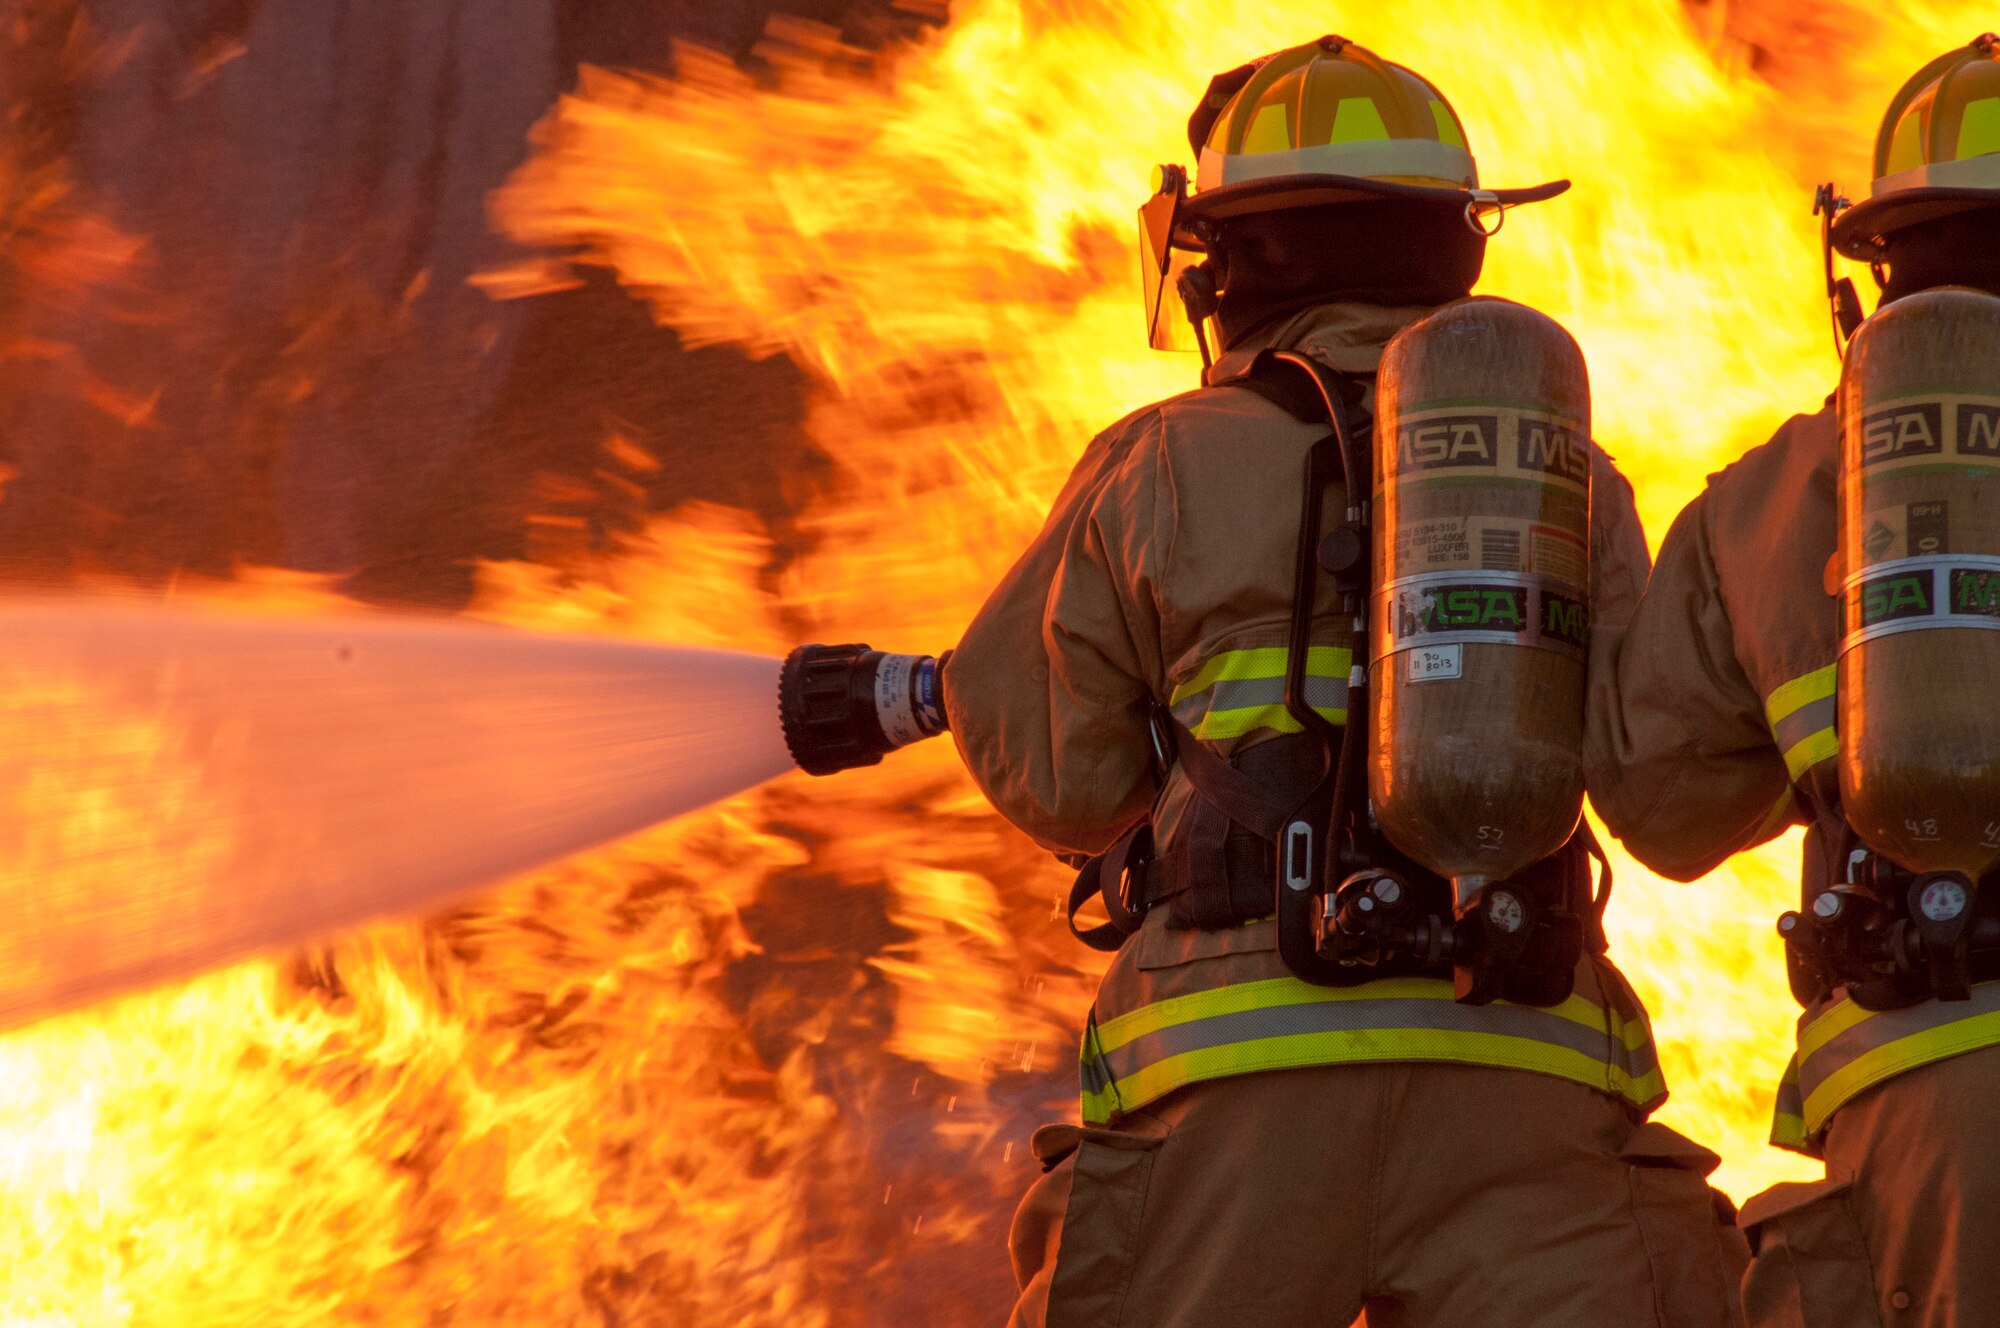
182	787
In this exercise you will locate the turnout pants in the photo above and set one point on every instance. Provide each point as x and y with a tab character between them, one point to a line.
1905	1230
1435	1195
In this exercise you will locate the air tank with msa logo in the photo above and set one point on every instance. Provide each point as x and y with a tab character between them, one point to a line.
1480	619
1919	556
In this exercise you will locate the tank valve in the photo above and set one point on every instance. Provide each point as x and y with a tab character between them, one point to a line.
842	707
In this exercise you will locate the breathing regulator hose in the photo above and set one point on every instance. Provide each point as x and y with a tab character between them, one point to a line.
843	707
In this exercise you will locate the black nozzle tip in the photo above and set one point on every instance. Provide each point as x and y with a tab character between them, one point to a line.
826	708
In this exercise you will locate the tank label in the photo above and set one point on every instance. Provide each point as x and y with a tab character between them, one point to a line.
1975	590
1504	443
1490	544
1917	594
1430	663
1442	608
1955	428
1912	429
1565	619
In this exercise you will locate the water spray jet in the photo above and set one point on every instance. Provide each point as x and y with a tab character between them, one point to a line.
180	789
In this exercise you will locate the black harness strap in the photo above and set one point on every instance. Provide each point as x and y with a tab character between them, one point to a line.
1242	799
1114	877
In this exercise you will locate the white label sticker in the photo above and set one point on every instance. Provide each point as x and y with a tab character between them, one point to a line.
1431	662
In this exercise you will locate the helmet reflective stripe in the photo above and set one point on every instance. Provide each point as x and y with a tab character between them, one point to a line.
1982	172
1403	160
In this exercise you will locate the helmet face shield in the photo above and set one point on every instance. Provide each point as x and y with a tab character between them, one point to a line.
1167	323
1161	264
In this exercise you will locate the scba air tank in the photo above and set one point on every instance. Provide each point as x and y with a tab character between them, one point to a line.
1480	617
1920	561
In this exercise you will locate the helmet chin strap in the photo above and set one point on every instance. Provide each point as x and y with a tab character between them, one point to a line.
1199	295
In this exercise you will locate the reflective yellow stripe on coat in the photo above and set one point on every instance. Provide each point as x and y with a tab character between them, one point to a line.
1844	1049
1241	690
1282	1023
1801	714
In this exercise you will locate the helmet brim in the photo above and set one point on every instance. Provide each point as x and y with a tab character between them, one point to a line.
1278	192
1858	232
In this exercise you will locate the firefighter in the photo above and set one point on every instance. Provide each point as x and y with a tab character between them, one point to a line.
1255	1150
1715	730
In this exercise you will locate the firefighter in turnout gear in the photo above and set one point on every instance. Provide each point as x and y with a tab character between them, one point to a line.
1812	650
1258	1149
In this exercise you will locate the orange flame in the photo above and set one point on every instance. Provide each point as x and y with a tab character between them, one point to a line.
664	1084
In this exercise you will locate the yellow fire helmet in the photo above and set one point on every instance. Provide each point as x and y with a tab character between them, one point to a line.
1938	151
1327	122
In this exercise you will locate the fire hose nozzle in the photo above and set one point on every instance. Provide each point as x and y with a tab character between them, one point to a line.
843	707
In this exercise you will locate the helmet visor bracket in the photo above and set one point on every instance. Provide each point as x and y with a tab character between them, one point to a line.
1482	204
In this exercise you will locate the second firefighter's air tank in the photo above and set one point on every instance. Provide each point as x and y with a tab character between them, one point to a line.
1479	624
1919	729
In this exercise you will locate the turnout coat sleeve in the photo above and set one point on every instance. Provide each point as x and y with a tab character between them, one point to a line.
1678	758
1048	691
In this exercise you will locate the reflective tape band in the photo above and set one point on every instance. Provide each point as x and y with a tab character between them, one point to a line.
1285	1023
1801	714
1448	164
1846	1049
1788	1123
1900	595
1241	690
1503	608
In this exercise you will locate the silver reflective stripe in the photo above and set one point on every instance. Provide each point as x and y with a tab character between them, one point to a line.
1247	693
1791	1099
1447	163
1385	1013
1880	1029
1935	571
1802	723
1400	612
